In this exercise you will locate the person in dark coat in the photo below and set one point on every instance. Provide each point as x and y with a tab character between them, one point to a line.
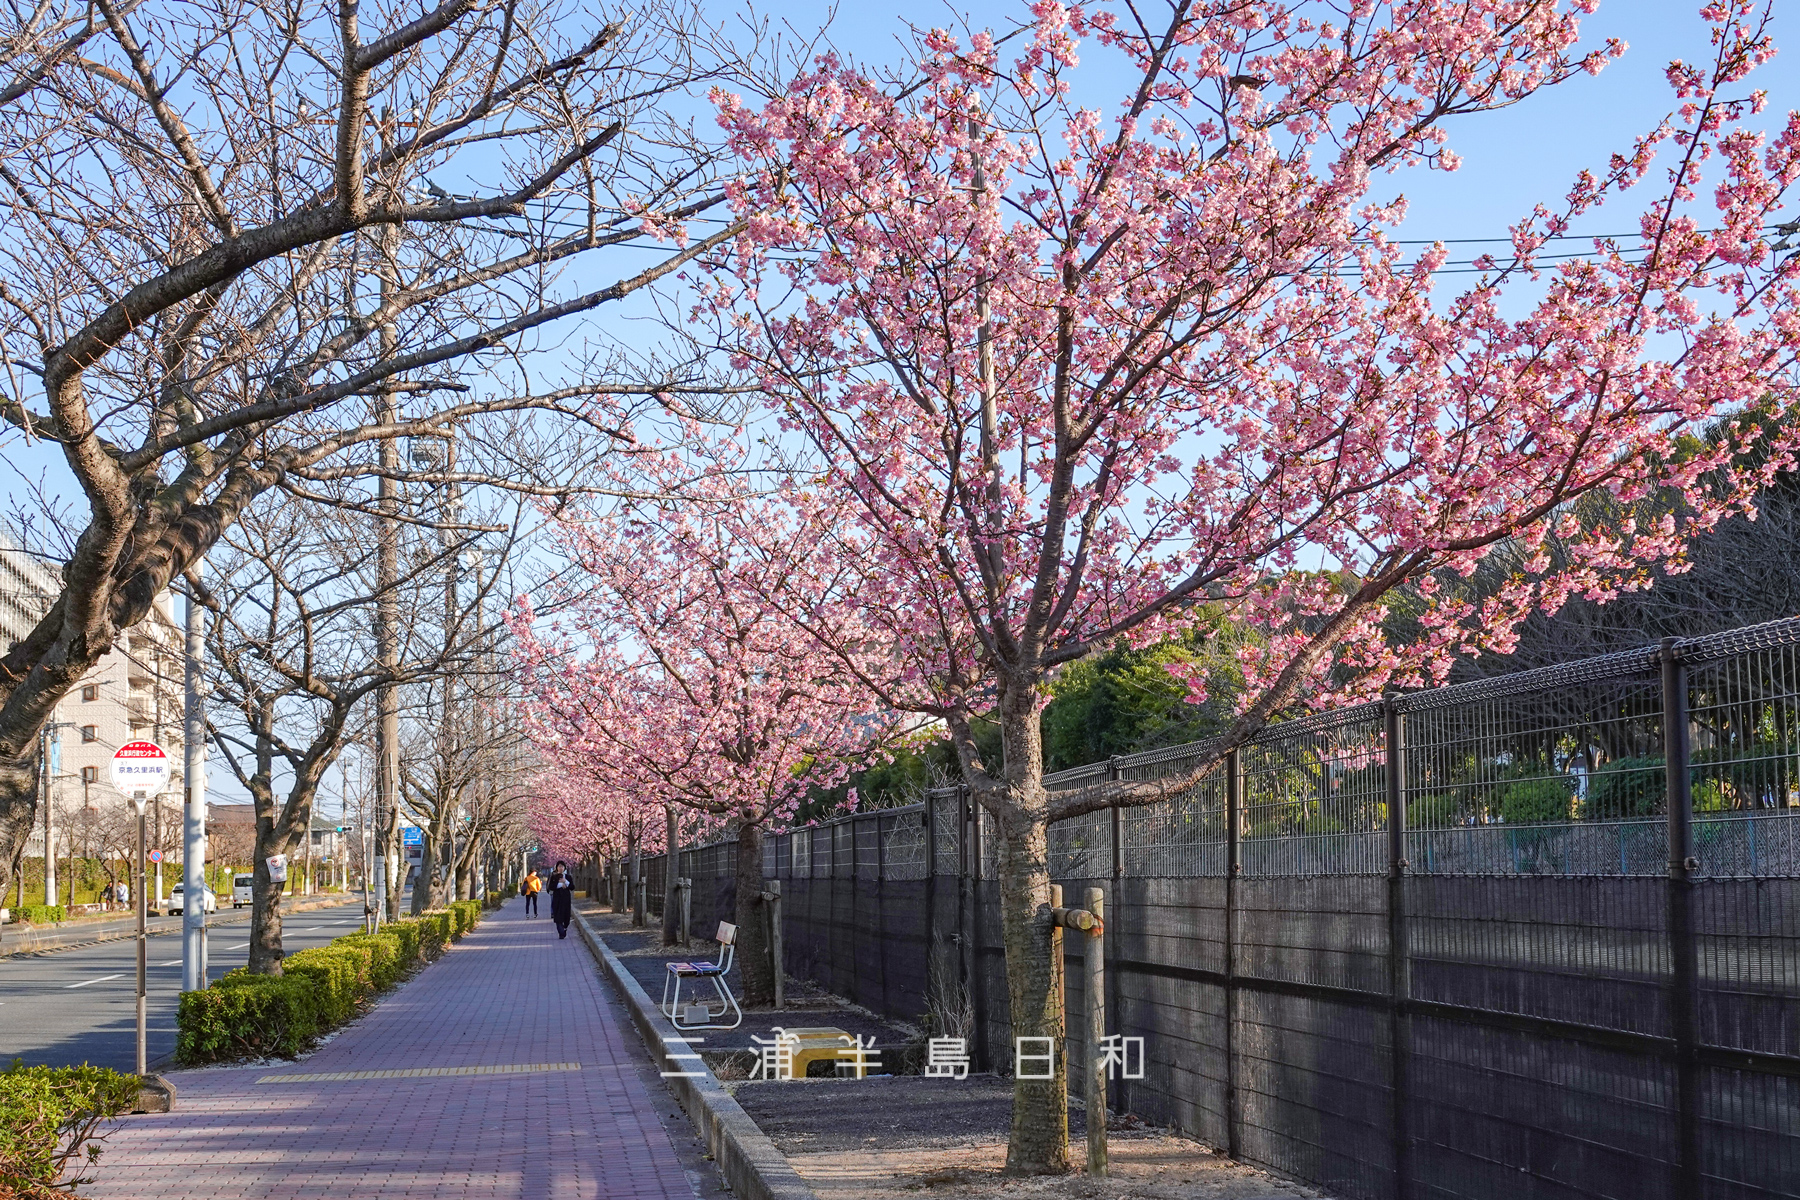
562	899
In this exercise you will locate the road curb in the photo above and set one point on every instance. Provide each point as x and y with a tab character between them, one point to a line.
752	1166
9	951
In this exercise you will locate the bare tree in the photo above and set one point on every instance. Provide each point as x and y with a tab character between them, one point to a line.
229	268
293	657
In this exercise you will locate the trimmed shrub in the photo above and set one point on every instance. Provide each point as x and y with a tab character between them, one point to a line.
1626	787
386	959
407	934
467	913
339	976
247	1016
1438	811
48	1119
1533	800
42	914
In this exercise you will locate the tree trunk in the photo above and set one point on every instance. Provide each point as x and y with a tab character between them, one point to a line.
671	921
757	979
422	898
1039	1139
265	915
18	808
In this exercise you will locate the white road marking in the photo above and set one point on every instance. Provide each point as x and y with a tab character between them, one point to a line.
239	946
173	962
96	979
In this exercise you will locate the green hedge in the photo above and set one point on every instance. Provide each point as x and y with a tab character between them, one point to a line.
42	914
387	956
339	976
245	1015
49	1117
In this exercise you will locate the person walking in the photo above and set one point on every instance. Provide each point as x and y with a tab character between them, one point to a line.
530	889
562	899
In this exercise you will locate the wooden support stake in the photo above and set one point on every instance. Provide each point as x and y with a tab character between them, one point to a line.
771	897
1096	1032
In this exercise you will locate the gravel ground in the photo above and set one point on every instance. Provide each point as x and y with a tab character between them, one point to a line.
893	1112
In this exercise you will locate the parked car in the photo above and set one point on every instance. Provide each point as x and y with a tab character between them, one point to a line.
209	900
243	890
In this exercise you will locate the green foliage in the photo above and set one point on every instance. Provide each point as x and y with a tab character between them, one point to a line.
1125	699
42	914
247	1016
466	913
1525	801
1711	796
49	1119
407	934
1437	811
386	957
340	976
1626	787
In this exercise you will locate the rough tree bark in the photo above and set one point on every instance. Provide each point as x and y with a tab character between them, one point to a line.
755	975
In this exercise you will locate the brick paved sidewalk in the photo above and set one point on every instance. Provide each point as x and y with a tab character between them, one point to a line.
509	994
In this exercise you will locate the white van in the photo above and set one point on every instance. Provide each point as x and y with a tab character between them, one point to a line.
243	890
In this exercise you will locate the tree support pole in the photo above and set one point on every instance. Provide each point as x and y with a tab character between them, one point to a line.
771	897
1091	921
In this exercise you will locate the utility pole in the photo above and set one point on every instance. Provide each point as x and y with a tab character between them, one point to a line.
387	642
50	754
193	814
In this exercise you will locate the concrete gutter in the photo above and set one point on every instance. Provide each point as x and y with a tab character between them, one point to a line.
752	1166
68	935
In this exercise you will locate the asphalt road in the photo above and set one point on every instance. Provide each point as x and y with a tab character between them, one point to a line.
80	1005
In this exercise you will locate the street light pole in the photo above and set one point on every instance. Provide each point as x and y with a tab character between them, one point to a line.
193	818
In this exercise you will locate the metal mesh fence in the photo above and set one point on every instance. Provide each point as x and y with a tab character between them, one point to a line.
1531	977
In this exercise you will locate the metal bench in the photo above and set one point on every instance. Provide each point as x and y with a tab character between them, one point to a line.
704	1014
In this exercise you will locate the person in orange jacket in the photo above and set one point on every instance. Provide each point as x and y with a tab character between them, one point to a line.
530	889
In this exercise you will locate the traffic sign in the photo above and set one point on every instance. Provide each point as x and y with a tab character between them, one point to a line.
156	856
140	767
412	835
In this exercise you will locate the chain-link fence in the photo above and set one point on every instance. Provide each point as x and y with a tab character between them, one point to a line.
1556	953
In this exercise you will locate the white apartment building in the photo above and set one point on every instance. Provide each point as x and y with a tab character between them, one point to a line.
136	692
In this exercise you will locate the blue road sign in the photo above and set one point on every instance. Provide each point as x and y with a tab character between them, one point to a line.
412	835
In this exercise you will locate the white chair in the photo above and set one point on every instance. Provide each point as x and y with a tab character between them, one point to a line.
706	1014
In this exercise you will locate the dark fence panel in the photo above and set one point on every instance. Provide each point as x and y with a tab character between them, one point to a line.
1555	955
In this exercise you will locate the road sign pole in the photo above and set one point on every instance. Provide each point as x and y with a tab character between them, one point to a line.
143	907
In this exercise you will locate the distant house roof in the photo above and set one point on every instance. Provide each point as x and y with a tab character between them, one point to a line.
231	814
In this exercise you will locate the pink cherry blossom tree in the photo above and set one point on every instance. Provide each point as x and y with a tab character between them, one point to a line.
669	678
1063	373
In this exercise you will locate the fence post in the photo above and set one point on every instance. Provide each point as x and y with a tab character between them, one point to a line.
1399	945
1684	978
881	937
1116	1005
1234	867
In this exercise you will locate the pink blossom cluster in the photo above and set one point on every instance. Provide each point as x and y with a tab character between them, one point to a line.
1063	373
668	675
